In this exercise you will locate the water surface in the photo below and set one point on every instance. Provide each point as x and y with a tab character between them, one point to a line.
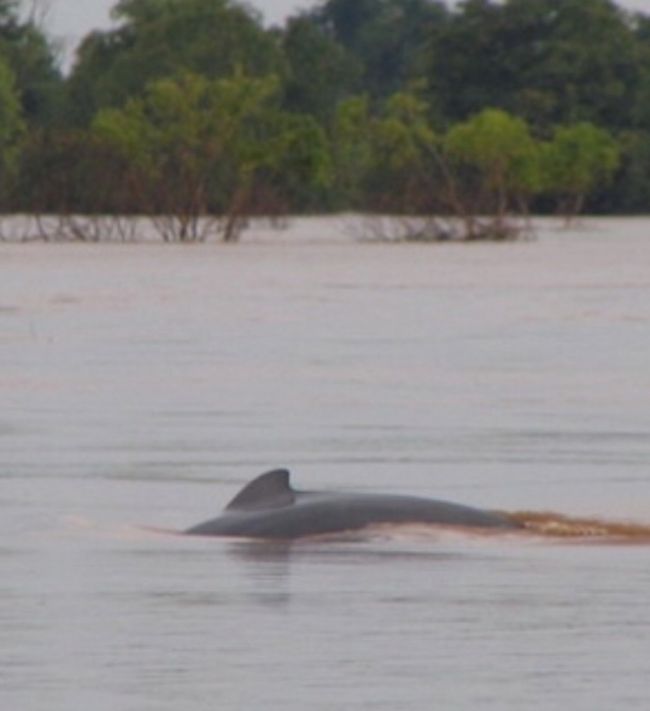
142	385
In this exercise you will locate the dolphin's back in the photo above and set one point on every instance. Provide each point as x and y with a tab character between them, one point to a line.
269	508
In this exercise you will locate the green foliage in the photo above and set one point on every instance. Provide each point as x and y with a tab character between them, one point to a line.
321	73
499	146
630	190
294	158
580	158
389	39
403	136
408	106
187	121
73	172
10	110
403	147
386	161
32	59
352	150
162	38
203	146
11	126
549	61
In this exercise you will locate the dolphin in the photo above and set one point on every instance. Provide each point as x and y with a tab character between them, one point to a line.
269	508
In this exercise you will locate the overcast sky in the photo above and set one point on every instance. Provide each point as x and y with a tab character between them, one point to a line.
70	20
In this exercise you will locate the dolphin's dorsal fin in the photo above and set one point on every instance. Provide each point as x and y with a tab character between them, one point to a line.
268	491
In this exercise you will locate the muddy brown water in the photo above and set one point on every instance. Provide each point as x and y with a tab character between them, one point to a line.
142	385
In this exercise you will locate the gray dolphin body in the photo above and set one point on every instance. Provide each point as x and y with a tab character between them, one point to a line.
269	508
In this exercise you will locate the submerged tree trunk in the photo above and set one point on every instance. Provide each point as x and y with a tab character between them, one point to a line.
235	220
571	207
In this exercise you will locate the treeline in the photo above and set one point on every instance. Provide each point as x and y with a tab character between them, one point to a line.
193	113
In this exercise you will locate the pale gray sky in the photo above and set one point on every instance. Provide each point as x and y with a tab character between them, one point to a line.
70	20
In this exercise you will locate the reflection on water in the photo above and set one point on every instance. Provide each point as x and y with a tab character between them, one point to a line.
272	552
273	572
142	385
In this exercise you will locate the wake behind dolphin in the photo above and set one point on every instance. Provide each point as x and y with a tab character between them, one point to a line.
269	508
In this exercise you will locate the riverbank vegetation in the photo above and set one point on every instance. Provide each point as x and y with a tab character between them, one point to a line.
194	114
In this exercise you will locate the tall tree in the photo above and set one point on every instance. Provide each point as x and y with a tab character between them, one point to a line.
204	146
386	161
497	161
579	159
321	72
550	61
34	63
403	171
160	38
388	38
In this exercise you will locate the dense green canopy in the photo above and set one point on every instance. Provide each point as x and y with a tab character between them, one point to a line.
400	105
160	38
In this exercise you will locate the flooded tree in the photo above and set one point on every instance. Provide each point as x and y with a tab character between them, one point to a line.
202	147
579	159
493	167
419	107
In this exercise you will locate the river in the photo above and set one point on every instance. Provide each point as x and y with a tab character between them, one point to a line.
143	385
